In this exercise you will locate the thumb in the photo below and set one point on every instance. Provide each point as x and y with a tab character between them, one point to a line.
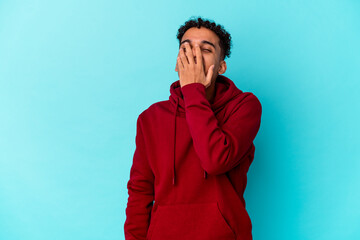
209	75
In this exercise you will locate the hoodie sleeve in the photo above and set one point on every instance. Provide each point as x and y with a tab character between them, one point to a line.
141	191
220	148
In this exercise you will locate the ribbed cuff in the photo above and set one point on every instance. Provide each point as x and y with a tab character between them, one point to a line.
193	92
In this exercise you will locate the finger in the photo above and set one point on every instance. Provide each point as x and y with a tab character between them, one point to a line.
199	60
183	57
176	66
179	64
188	53
209	75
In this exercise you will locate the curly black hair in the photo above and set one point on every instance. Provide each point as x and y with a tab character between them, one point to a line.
224	36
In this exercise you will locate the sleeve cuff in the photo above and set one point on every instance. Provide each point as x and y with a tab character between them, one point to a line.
193	92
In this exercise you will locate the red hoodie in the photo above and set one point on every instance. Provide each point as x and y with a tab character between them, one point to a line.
190	165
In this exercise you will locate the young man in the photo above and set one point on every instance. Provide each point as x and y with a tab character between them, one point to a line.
194	150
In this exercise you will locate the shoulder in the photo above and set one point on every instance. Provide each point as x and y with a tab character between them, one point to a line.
248	97
154	110
251	97
247	102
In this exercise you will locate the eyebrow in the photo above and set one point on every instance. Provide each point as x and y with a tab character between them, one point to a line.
203	41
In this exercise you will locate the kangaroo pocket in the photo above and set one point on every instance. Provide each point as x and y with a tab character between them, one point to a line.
196	221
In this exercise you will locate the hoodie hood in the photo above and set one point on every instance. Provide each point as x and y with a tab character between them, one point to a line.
225	91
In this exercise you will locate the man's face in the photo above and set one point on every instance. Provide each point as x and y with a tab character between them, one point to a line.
209	45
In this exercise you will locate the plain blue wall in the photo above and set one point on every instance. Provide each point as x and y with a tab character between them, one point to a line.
74	76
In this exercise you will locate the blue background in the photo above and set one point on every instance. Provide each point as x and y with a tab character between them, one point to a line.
74	76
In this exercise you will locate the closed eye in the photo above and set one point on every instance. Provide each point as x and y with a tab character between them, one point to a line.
207	50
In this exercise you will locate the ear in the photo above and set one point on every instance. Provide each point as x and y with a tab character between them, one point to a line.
222	67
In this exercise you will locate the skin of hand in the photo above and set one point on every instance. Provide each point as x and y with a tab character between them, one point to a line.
191	68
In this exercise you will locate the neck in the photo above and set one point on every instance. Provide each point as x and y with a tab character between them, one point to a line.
210	92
